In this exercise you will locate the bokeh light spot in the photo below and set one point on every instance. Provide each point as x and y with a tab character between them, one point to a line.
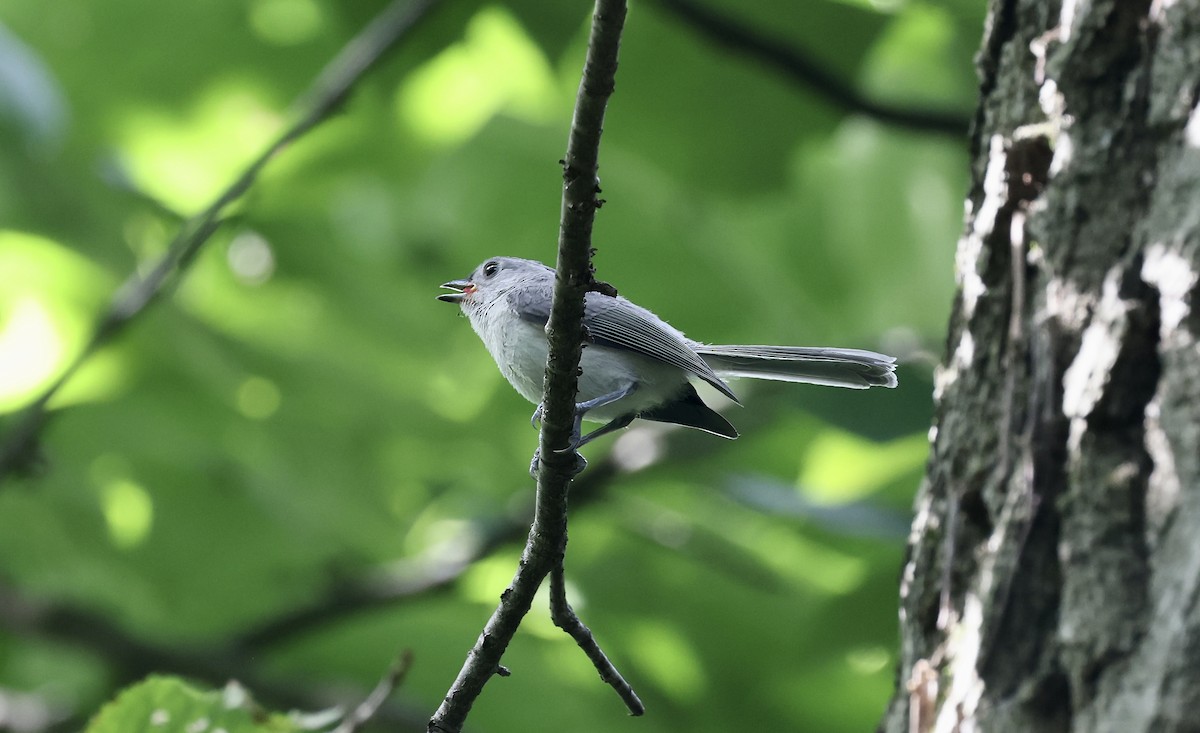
667	657
258	398
868	660
285	22
128	512
31	350
250	258
184	160
840	467
496	68
49	297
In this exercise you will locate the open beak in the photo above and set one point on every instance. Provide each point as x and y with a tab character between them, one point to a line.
463	288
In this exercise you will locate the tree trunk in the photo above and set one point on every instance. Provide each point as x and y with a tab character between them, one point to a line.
1053	582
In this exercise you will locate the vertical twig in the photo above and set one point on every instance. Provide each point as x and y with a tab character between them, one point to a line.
547	540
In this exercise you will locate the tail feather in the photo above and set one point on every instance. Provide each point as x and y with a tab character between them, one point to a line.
853	368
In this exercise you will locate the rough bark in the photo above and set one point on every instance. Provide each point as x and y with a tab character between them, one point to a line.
1053	582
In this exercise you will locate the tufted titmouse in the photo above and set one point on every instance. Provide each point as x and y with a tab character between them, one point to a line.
634	364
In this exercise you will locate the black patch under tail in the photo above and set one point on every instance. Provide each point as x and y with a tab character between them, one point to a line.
689	410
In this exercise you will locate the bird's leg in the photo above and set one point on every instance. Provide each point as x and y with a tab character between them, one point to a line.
581	409
577	437
613	425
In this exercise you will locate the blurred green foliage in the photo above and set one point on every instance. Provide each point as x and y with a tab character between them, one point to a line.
169	704
301	417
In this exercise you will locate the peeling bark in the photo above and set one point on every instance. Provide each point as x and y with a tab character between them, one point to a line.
1053	579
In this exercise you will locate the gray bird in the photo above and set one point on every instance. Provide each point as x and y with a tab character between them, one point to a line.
634	364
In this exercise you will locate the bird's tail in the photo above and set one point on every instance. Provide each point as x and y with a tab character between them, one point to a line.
852	368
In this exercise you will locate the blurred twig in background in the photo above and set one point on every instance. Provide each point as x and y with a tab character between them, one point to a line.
134	658
809	71
18	451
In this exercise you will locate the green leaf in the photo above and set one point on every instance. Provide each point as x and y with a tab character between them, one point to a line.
168	704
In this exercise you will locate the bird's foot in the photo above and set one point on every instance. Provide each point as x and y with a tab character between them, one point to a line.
576	439
580	463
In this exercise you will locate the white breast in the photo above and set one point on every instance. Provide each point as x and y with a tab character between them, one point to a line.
518	347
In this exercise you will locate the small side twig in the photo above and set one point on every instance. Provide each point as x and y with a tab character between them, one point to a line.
564	617
368	707
324	97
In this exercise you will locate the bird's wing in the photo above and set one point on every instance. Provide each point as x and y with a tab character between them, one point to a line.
620	324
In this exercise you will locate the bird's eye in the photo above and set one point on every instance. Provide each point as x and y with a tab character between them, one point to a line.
491	269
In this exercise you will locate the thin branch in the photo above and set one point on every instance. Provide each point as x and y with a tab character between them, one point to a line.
130	659
564	617
547	540
358	595
808	71
330	89
369	707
